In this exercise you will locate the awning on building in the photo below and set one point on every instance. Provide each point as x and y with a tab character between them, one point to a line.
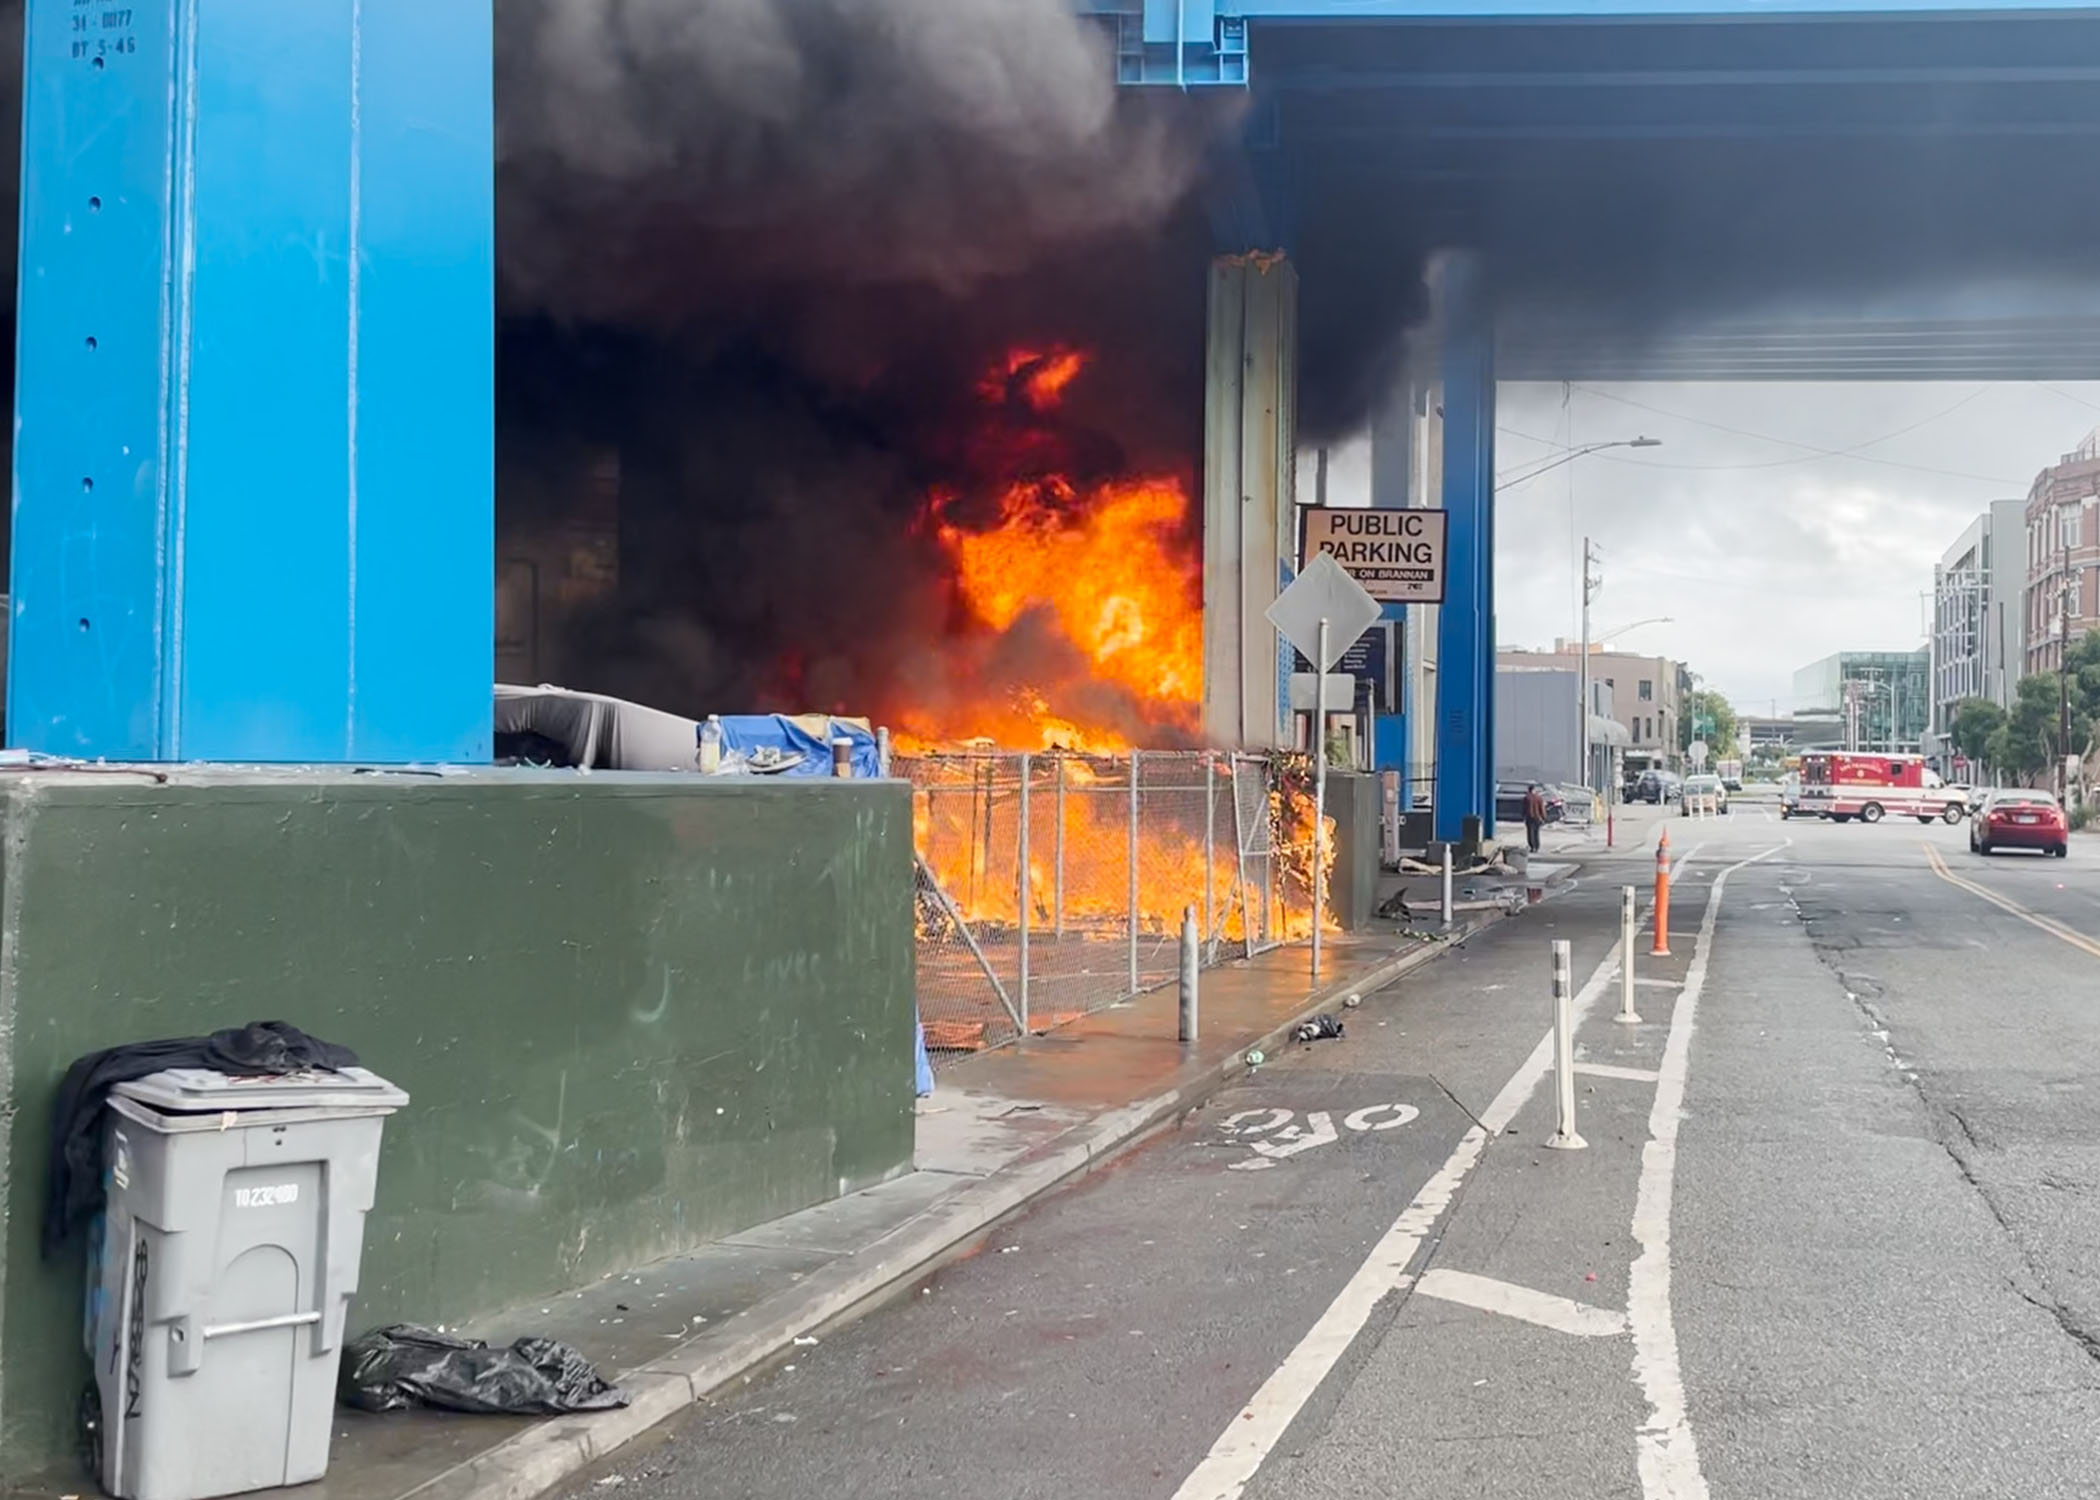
1609	732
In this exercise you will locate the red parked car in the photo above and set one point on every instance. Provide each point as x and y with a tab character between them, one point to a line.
2013	819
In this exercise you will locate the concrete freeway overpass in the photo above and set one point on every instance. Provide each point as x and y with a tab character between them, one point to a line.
1640	189
252	210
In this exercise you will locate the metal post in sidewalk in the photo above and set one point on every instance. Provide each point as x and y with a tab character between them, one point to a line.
1628	902
1564	1137
1191	969
1134	871
1024	898
1611	802
1446	906
1057	875
1662	897
1319	748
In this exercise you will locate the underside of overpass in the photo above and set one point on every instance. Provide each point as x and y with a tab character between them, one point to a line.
1649	191
1526	190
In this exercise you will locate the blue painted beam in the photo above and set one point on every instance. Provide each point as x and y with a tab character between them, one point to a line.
254	467
1206	43
1465	668
1587	10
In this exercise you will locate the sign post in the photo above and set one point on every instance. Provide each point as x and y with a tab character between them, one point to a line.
1322	613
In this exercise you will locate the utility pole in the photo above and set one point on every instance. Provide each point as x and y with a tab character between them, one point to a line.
1590	585
2063	654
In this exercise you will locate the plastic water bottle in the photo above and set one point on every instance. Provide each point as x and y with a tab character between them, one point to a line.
711	745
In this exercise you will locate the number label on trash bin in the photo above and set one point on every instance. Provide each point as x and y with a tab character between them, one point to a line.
266	1197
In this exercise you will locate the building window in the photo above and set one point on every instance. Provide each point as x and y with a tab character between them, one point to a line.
2072	527
1647	690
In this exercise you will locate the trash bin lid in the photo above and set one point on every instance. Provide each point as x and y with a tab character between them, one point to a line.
205	1091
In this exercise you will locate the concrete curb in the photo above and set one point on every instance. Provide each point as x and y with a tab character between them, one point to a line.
542	1457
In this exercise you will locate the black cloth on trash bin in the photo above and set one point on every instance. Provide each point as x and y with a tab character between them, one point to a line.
74	1190
392	1369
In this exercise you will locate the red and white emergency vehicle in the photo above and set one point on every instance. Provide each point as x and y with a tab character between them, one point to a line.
1842	787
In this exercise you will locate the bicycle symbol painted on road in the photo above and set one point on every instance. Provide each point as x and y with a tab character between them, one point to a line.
1282	1139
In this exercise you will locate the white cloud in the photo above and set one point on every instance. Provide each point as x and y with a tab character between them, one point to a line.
1777	523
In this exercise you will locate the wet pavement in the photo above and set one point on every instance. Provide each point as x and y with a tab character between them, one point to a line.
1856	1262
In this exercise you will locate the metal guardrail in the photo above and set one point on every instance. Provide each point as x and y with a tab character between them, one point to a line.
1053	885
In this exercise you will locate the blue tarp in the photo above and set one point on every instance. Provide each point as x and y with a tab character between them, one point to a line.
922	1069
747	733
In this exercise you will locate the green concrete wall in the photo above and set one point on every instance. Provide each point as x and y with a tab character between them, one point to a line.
634	1013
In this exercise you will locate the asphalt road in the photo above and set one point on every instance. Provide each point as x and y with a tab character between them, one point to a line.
1860	1260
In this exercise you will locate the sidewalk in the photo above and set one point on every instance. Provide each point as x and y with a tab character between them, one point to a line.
1001	1130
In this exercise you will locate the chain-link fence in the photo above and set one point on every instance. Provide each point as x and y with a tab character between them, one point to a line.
1053	885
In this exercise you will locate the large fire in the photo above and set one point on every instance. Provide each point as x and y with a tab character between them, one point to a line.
1109	566
1109	571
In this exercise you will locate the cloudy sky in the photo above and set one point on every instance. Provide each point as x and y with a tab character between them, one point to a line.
1776	523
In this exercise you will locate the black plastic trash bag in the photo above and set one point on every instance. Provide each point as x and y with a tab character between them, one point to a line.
1319	1028
392	1369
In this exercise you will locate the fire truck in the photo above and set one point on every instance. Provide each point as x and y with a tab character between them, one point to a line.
1842	787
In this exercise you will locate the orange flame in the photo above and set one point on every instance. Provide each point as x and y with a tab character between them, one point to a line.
1036	376
1110	568
1107	565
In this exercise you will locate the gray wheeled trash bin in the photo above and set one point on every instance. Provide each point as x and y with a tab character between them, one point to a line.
229	1256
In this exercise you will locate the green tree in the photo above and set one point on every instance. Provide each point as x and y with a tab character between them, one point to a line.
2084	670
1706	715
1975	721
2025	744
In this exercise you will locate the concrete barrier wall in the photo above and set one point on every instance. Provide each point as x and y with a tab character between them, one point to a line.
634	1013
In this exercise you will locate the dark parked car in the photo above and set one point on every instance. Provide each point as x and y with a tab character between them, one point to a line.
1509	803
1657	787
2014	819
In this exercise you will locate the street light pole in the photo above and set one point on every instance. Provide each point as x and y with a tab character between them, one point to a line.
1582	717
1574	453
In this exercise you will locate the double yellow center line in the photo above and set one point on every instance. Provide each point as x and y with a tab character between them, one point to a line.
2049	925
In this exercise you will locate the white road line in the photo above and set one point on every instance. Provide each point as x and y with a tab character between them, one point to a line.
1668	1456
1258	1426
1561	1314
1613	1070
1659	984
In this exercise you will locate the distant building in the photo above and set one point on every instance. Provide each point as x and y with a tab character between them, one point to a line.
1882	699
2063	555
1979	614
1536	735
1790	734
1645	695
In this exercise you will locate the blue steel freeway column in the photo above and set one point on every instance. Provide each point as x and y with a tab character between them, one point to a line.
254	465
1465	678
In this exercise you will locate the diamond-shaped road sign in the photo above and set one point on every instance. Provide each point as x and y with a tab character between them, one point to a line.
1323	591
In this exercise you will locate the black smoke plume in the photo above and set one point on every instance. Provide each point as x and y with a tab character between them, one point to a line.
764	251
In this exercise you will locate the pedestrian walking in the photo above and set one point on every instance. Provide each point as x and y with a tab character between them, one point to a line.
1534	815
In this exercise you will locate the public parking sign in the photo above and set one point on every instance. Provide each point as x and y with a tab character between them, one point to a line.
1397	555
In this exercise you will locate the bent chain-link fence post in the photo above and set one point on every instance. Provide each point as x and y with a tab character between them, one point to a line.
1023	896
1210	858
1057	900
1132	867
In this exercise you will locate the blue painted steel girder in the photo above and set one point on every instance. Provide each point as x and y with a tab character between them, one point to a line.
1465	667
254	472
1207	43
